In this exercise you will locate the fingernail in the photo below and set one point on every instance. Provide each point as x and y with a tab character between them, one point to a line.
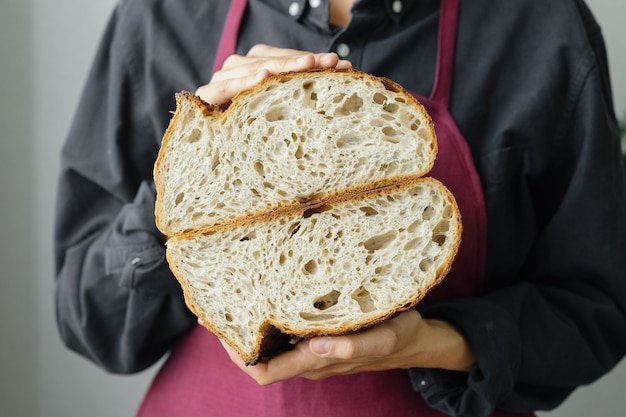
327	57
342	63
320	346
303	59
260	76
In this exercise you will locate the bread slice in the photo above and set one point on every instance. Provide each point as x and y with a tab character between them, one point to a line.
319	269
295	138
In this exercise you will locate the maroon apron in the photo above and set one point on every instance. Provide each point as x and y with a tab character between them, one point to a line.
199	379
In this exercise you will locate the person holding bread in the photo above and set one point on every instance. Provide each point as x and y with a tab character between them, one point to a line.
519	95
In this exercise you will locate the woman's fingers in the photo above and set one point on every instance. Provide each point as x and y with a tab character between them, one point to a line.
241	72
221	92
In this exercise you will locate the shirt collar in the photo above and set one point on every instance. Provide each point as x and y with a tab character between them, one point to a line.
317	11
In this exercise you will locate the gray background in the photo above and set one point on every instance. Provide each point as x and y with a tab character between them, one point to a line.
46	48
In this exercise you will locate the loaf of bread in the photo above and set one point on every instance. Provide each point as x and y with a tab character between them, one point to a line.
323	269
294	138
303	210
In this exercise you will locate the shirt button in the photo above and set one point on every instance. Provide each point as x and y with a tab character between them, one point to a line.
135	261
294	8
396	6
343	50
315	3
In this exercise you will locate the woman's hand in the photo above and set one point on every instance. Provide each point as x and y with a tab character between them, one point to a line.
406	341
243	72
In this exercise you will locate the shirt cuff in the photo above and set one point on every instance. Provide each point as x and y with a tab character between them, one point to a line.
496	344
135	251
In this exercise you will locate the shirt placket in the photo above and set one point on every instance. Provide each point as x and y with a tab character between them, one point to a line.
349	42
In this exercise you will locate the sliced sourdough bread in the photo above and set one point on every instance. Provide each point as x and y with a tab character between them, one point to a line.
294	138
302	210
320	269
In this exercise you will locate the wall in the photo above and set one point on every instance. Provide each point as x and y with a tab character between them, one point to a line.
18	285
46	48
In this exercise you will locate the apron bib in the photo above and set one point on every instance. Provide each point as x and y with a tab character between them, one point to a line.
199	379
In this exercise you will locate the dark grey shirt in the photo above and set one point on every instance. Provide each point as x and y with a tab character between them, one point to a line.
530	94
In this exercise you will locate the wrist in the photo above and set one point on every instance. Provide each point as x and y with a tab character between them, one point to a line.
447	348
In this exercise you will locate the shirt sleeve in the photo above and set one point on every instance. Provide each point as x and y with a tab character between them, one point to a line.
117	302
562	321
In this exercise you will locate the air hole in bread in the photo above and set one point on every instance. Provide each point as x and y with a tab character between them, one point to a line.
384	269
426	264
228	317
391	167
259	168
353	104
317	317
390	134
310	268
316	210
310	197
428	213
327	301
379	98
277	113
391	107
369	211
179	198
380	242
299	152
249	236
376	122
237	184
412	244
193	136
390	86
413	227
439	238
363	297
293	229
350	140
338	98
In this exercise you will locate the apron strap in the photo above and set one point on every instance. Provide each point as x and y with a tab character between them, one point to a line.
228	45
448	21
